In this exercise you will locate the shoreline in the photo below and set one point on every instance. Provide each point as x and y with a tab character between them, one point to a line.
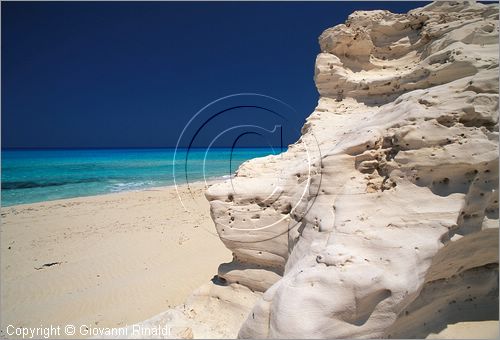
106	260
208	182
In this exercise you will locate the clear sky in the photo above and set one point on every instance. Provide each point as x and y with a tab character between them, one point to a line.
131	74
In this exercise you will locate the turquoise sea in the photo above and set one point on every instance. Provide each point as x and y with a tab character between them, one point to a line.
40	175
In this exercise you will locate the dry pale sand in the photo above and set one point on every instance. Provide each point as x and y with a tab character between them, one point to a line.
116	259
469	330
120	259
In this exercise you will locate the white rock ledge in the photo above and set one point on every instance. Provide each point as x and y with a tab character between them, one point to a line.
390	228
382	220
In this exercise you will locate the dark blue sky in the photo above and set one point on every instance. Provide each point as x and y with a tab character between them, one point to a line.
130	74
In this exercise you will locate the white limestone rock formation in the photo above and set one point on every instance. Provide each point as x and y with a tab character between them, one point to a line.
382	220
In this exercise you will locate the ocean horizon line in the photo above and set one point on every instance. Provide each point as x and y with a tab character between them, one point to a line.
33	175
137	148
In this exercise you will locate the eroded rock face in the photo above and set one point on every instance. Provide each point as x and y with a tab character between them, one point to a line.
382	220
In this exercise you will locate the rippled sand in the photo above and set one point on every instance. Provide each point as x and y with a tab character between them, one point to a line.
105	261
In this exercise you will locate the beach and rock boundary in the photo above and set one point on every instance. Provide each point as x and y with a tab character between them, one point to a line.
390	229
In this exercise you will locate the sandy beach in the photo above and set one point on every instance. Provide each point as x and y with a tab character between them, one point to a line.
352	150
108	260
